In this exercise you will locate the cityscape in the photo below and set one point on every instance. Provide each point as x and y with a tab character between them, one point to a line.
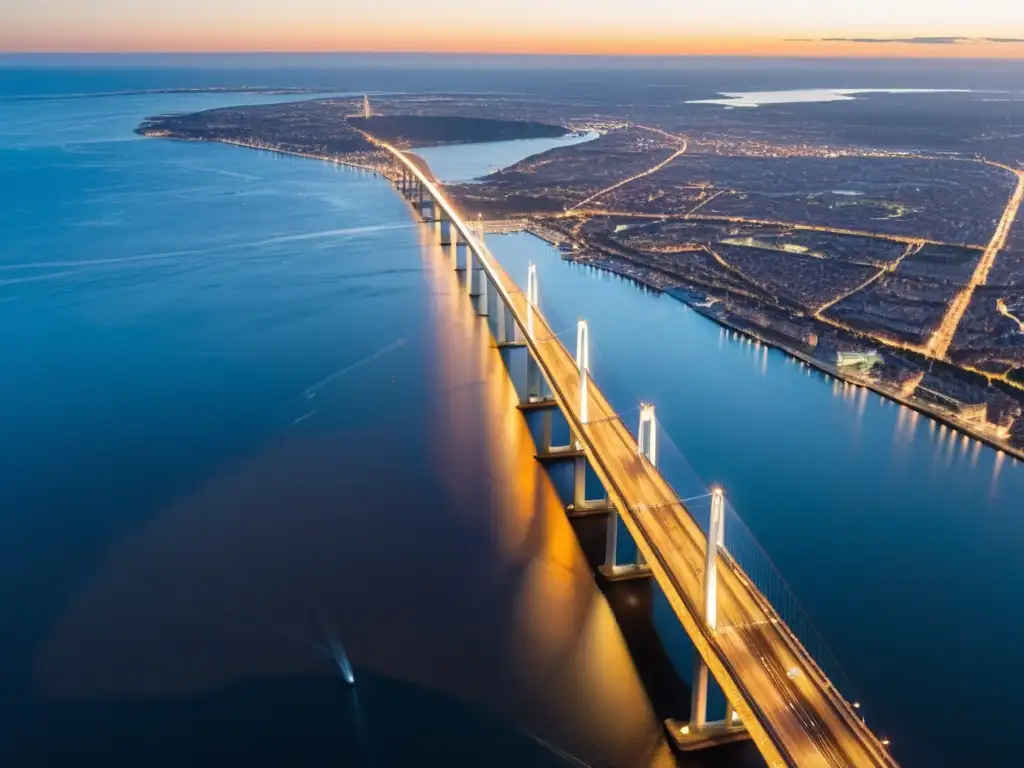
882	251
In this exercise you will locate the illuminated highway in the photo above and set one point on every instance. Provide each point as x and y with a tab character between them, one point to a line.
640	175
1005	312
793	713
905	239
938	345
887	269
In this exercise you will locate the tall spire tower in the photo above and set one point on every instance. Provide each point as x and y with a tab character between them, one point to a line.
366	107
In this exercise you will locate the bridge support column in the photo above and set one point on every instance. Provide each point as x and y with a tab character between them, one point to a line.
461	254
511	335
547	451
732	717
647	445
504	322
446	231
497	308
699	694
483	288
534	380
581	506
473	272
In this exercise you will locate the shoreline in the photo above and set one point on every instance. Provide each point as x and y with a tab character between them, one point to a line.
276	150
931	412
294	153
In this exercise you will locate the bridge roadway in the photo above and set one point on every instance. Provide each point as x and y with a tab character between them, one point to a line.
793	713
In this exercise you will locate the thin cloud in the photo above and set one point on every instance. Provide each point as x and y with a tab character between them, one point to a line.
909	40
948	40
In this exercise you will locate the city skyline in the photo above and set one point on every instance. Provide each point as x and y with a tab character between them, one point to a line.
987	28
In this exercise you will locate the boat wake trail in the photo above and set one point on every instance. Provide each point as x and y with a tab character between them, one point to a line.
397	344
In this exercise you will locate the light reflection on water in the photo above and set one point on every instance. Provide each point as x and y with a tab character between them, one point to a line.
431	545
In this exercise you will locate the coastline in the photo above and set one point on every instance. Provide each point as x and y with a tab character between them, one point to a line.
275	150
931	412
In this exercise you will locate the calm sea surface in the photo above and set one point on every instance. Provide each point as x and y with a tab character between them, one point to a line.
248	415
247	418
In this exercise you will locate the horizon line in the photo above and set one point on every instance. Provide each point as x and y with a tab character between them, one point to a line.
879	56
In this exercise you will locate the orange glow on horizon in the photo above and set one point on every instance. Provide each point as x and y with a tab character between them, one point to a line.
444	39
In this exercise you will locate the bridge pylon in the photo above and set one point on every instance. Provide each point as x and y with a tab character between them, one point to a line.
531	296
534	380
698	733
612	570
647	434
583	364
580	505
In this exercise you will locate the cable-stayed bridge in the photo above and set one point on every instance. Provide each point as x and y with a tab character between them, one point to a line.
783	689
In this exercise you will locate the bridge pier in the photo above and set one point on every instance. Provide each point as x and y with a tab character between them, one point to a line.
446	231
612	570
512	337
461	254
481	290
533	379
476	282
581	506
497	311
548	452
505	334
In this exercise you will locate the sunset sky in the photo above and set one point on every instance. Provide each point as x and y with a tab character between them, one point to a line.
792	27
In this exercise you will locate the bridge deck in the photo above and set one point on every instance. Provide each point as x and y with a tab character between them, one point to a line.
793	713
